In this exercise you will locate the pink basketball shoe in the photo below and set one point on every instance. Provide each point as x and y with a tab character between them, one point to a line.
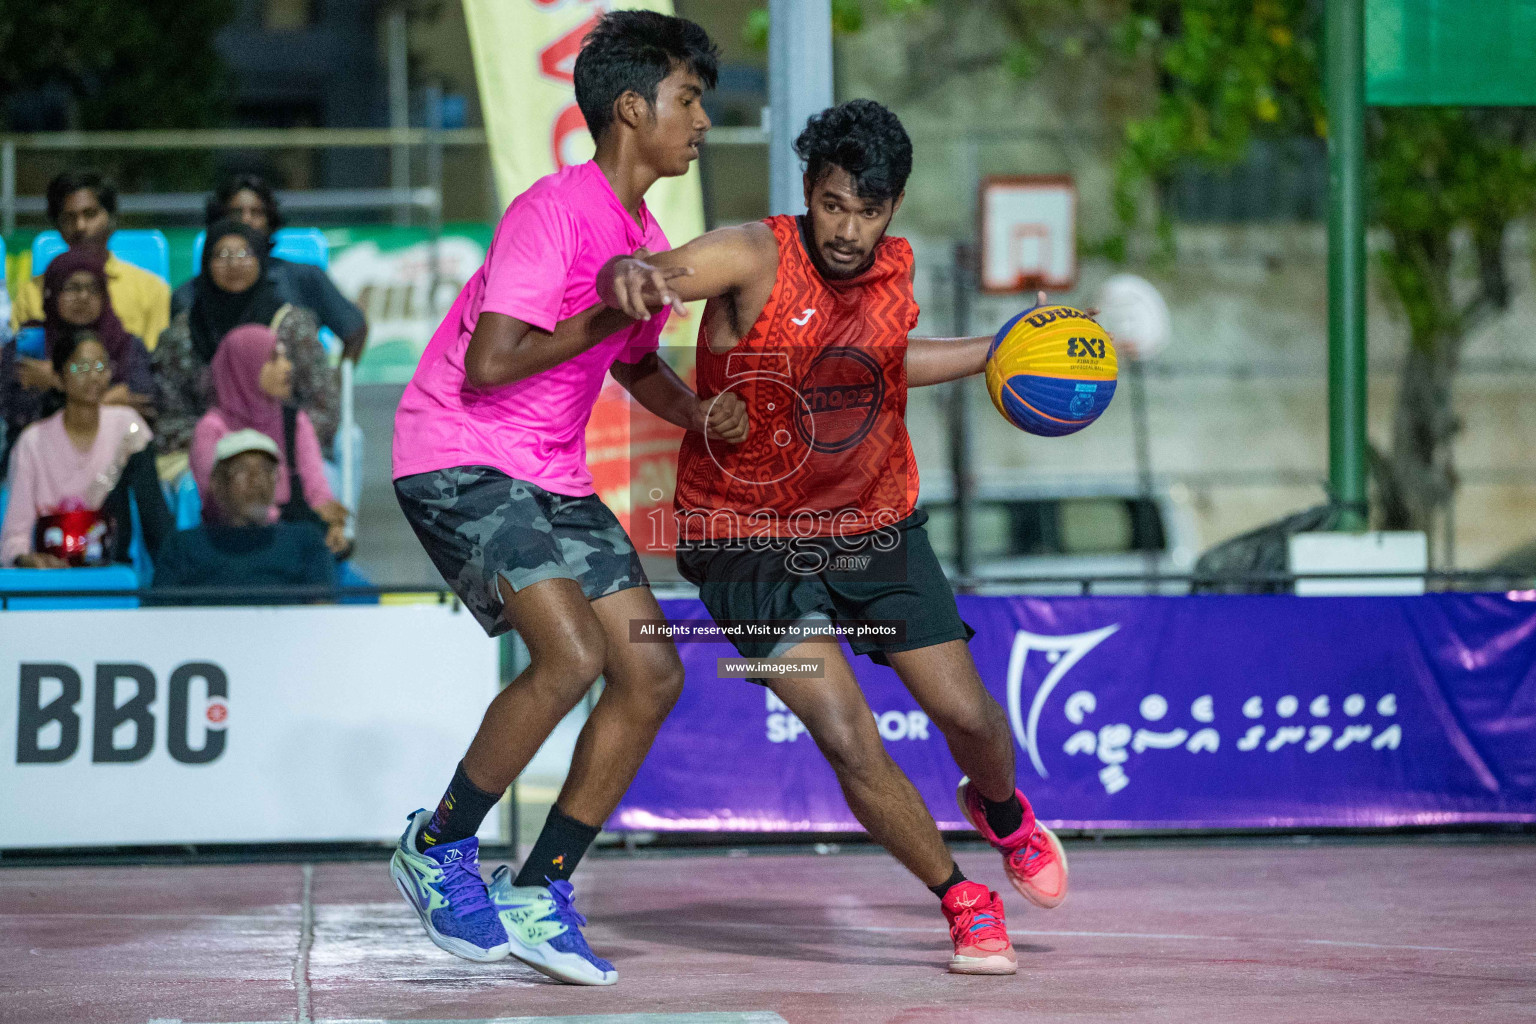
1032	857
980	935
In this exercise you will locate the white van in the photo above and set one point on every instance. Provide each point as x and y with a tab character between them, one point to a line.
1068	530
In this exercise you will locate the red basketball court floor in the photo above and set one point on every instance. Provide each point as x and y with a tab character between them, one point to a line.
1278	930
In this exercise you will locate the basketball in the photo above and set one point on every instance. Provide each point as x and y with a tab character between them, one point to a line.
1051	370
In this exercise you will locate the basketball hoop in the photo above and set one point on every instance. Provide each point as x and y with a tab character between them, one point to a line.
1028	231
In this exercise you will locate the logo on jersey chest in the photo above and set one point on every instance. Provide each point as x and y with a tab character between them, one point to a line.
842	392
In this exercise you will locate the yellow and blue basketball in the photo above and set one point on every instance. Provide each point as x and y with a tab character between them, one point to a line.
1051	370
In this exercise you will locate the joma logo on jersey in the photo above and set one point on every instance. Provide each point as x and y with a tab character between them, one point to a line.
1092	348
1048	316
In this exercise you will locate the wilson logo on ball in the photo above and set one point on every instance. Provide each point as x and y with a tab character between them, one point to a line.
1051	314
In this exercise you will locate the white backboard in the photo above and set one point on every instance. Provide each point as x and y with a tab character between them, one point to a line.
1028	233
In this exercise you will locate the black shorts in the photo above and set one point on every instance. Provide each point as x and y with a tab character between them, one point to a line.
849	582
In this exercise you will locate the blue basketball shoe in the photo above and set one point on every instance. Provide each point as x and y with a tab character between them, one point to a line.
545	929
444	887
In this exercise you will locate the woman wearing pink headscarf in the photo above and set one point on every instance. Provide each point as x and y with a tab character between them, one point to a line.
252	384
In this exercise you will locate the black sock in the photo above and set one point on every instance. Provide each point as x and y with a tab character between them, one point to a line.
954	879
459	814
558	849
1004	818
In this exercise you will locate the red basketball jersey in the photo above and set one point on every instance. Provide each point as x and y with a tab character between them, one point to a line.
823	376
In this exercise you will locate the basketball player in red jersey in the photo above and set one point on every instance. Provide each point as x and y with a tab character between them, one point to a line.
812	519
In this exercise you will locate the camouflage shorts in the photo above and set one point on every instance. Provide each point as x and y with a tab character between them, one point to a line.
478	524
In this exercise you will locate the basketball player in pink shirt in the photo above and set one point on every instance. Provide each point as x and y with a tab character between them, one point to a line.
490	469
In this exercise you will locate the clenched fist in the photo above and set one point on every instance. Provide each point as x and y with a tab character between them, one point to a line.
725	417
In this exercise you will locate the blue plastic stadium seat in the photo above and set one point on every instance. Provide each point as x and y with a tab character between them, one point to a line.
146	248
348	576
186	504
44	248
296	245
113	577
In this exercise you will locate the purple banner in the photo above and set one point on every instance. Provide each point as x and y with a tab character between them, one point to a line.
1154	712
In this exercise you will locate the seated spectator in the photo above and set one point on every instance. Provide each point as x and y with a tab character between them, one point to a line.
231	291
5	305
248	199
75	297
252	382
72	472
244	547
83	206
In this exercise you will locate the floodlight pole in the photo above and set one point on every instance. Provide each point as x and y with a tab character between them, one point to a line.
799	85
1344	42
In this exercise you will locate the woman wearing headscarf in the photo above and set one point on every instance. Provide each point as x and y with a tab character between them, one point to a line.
233	290
72	473
75	299
252	383
250	200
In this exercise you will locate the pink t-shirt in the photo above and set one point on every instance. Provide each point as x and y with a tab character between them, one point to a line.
542	268
47	469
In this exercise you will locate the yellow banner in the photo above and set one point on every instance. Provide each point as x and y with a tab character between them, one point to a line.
525	57
525	54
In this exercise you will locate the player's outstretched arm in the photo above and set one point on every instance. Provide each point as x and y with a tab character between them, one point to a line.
936	360
716	263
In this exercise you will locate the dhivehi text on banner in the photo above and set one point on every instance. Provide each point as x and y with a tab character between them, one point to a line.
525	56
234	725
1153	712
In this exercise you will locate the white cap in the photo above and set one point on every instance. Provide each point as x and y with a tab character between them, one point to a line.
242	441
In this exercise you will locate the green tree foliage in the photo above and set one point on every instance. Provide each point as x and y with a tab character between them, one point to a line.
144	64
1446	183
847	16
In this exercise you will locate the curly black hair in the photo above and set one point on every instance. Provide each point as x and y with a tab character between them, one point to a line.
632	51
217	207
67	184
863	138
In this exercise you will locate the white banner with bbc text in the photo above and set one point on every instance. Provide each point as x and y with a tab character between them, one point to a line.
234	725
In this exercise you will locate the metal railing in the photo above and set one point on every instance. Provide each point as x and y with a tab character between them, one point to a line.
400	196
1198	584
1493	581
185	596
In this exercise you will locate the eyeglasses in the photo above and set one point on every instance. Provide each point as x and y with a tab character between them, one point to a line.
80	369
81	288
238	256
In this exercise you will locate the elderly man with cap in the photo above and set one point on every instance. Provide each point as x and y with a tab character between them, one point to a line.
243	548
